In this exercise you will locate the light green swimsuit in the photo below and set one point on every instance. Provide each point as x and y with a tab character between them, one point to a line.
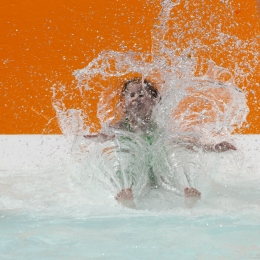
136	151
151	158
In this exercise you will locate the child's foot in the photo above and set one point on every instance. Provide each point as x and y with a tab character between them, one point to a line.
192	196
126	198
191	193
125	194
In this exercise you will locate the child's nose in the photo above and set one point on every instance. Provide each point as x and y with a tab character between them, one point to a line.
136	96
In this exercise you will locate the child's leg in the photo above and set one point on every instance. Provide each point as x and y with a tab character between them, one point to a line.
126	163
172	167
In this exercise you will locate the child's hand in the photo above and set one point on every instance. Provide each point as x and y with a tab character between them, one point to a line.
223	147
100	137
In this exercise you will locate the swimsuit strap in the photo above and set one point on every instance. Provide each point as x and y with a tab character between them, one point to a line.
128	126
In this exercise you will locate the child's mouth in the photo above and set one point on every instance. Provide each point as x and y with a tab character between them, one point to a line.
135	104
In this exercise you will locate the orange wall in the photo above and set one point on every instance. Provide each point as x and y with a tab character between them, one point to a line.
42	42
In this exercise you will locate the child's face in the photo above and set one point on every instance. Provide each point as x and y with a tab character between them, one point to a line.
138	101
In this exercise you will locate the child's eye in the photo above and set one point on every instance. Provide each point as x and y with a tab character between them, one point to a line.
132	94
141	94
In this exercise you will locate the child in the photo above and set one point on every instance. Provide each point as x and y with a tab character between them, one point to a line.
139	97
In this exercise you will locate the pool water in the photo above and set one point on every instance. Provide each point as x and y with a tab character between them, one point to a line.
130	236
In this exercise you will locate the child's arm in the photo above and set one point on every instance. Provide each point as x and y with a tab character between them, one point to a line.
221	147
100	137
224	146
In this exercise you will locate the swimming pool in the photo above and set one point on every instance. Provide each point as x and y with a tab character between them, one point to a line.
132	236
47	214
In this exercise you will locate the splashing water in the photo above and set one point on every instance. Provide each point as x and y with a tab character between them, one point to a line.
208	107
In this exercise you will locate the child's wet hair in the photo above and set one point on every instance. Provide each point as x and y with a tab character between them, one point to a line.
148	85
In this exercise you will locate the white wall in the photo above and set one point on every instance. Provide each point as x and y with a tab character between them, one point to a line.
26	152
